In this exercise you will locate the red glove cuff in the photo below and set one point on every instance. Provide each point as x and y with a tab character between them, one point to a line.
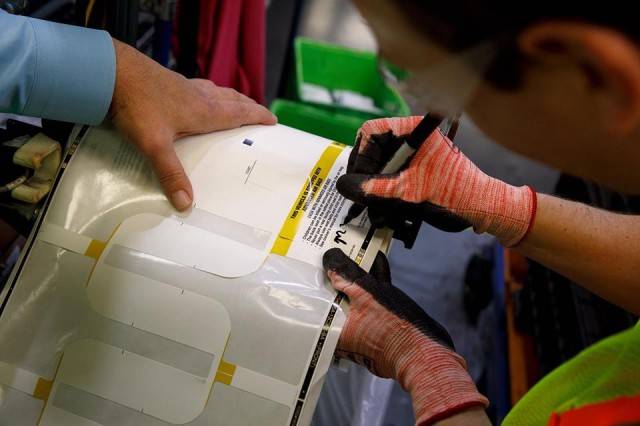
435	376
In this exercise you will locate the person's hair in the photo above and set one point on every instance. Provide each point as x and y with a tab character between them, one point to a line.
463	24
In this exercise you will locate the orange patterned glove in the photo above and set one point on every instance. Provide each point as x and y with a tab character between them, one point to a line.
393	337
440	185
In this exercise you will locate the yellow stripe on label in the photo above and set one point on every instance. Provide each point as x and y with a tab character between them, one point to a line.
307	194
225	372
42	389
95	249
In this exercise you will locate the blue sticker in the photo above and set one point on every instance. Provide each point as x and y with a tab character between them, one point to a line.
247	142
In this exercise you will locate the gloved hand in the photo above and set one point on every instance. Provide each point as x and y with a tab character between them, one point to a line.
393	337
440	185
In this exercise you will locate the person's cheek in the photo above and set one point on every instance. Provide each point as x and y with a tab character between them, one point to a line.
506	118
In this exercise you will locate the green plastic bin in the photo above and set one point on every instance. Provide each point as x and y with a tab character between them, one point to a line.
328	70
325	122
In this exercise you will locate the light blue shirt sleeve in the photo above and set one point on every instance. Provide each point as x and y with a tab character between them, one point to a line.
55	71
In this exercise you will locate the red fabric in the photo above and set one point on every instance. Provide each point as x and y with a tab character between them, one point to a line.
619	411
231	45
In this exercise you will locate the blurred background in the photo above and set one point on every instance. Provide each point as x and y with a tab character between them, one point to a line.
313	62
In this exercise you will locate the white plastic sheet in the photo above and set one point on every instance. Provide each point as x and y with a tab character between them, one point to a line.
124	312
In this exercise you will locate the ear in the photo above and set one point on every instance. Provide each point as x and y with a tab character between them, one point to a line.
609	58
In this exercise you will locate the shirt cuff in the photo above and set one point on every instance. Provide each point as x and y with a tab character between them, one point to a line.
74	76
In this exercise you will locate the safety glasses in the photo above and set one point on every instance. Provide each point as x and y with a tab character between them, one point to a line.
444	87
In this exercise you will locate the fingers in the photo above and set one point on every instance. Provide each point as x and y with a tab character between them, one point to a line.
374	151
373	127
220	115
380	269
335	260
350	186
229	94
353	155
221	93
342	271
396	126
365	189
171	175
246	113
227	108
377	142
234	96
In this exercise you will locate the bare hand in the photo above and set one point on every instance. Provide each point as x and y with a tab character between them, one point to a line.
153	106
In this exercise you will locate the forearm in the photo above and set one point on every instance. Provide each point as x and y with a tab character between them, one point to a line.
56	71
597	249
472	417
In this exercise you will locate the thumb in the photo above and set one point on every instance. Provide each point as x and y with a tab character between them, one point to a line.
380	269
342	271
172	177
